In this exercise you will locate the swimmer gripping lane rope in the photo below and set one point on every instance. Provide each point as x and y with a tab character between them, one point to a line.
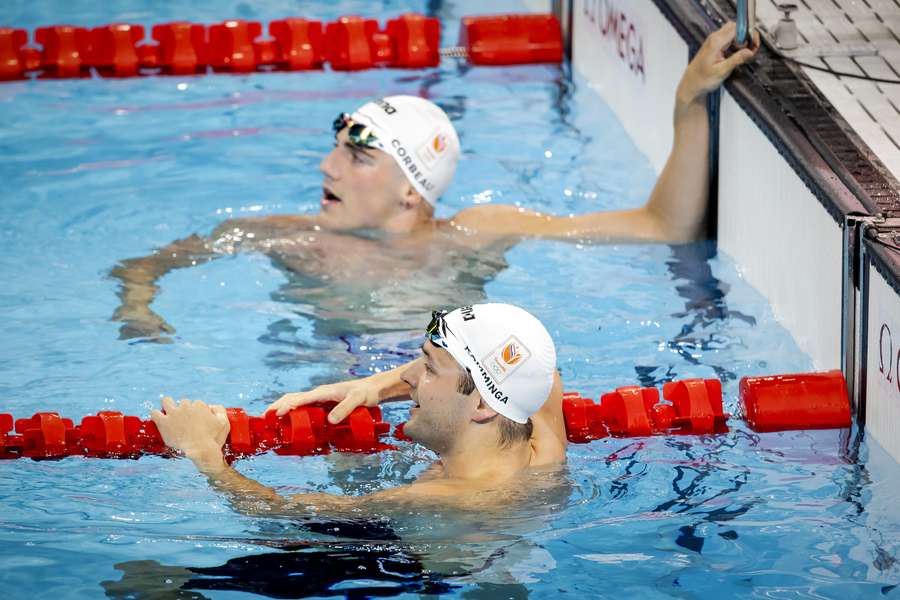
411	41
692	406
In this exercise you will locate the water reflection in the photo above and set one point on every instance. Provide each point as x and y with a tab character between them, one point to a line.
398	551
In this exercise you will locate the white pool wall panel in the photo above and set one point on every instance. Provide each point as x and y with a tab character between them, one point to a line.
633	59
783	239
882	369
785	242
769	222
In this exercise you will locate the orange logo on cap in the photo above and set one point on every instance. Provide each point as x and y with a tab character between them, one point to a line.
439	143
511	354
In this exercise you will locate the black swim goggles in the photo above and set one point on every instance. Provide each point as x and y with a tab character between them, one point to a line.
357	133
437	329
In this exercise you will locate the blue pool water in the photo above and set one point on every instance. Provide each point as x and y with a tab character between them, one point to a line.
95	172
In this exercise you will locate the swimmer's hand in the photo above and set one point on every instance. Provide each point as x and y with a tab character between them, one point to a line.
141	322
197	429
710	67
348	394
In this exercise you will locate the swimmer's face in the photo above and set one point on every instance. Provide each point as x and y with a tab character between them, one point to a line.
363	187
441	412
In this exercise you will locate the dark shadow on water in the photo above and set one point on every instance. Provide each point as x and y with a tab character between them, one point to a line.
375	564
705	307
363	571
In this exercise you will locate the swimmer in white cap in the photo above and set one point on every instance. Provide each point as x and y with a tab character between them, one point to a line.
375	232
479	389
412	149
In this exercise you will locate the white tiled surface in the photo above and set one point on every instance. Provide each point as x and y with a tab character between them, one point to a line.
872	109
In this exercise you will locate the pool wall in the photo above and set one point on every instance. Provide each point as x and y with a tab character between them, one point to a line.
878	364
797	205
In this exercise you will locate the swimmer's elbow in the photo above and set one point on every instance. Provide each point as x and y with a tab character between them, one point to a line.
663	228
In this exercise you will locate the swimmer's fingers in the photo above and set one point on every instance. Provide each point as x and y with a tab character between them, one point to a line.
288	401
222	415
324	393
168	404
354	400
722	37
140	322
220	412
738	58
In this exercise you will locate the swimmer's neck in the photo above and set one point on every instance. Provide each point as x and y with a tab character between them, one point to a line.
405	223
486	461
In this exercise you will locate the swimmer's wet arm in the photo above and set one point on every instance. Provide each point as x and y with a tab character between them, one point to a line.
249	497
368	391
676	209
246	496
634	225
199	431
680	198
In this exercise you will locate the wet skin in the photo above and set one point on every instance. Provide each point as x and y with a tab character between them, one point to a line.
375	245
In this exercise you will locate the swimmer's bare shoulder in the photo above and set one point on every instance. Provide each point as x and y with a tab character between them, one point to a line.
486	225
548	438
267	226
472	228
438	492
502	220
455	493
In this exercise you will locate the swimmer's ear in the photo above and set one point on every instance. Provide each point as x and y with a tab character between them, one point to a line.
483	413
412	199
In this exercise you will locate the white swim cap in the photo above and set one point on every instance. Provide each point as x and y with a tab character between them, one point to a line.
507	350
420	137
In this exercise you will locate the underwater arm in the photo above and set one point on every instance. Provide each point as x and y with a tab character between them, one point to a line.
199	431
138	277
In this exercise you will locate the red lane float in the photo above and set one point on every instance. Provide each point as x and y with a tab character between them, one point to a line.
354	43
113	49
410	41
804	401
12	66
416	41
181	49
512	39
692	407
109	434
230	46
583	418
300	44
696	406
689	407
66	50
626	411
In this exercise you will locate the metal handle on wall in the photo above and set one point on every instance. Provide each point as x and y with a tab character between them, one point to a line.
746	22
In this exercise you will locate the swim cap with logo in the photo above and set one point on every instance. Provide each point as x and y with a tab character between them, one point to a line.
509	353
419	136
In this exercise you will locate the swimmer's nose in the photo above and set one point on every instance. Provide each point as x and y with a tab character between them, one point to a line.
410	376
328	166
